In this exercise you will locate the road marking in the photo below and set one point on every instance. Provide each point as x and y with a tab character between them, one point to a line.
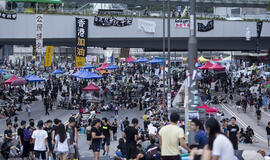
243	123
265	113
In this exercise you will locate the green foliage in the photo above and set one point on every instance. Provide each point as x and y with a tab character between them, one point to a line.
268	6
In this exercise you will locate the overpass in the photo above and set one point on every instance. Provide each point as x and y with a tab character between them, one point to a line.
202	3
59	30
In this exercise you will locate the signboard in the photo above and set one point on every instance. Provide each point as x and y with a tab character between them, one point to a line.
39	33
48	56
81	41
182	23
81	37
6	15
79	61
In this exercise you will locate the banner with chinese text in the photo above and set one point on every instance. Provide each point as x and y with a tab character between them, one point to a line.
81	37
39	33
79	61
48	56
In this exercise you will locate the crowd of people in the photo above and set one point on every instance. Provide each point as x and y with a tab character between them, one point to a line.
157	135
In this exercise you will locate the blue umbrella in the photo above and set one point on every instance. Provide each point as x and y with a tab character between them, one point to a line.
87	66
112	67
90	75
34	78
156	61
1	71
141	60
58	71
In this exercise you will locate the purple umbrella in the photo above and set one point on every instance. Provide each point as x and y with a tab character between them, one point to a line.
19	82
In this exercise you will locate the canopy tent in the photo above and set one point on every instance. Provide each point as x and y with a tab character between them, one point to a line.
112	67
128	60
227	58
34	78
38	1
90	75
10	80
156	61
206	66
216	59
77	74
202	59
216	66
58	71
208	109
19	82
141	60
91	87
87	66
103	66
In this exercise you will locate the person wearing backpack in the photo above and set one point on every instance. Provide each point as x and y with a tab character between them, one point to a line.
153	150
24	144
28	137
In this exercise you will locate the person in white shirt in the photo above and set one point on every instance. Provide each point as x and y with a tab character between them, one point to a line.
219	147
62	142
40	139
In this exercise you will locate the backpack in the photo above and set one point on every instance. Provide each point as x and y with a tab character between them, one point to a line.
151	153
26	135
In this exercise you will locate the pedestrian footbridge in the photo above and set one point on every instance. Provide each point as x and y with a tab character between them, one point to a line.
59	30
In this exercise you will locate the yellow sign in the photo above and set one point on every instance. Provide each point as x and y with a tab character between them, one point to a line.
48	57
79	61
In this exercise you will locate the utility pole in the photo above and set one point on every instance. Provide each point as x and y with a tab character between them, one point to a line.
164	46
169	54
192	54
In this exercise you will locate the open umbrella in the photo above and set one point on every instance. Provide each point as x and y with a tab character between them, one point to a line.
112	67
58	71
141	60
91	87
87	66
206	66
1	71
19	82
7	76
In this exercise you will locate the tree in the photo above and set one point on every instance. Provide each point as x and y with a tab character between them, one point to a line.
268	6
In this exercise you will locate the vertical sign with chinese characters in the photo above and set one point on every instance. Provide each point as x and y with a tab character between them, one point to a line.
39	33
48	56
81	41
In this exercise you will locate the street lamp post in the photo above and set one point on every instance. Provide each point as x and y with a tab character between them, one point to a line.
164	46
192	54
169	54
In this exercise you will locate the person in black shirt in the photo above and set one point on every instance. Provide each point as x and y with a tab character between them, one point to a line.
22	141
131	134
8	133
49	129
96	138
107	132
233	133
259	115
268	133
121	149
